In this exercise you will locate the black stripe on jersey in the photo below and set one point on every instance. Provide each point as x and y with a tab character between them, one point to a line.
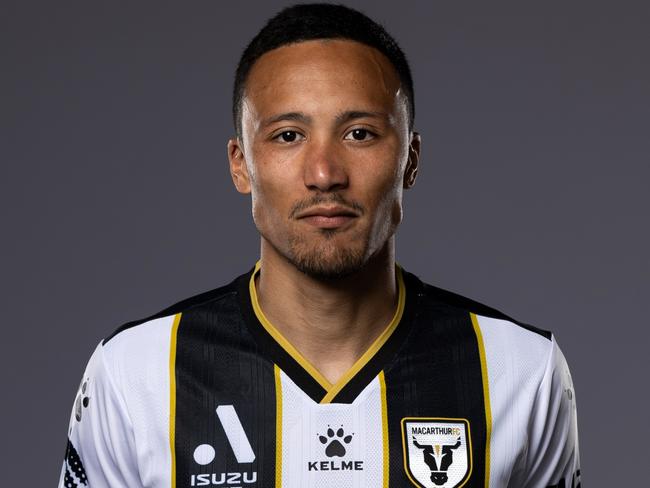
272	348
389	350
437	374
477	308
75	474
217	364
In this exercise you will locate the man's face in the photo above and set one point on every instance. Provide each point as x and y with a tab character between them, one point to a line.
325	151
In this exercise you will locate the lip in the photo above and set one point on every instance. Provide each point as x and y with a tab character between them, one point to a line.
328	217
334	211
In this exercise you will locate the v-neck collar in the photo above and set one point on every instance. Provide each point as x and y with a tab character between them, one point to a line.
301	371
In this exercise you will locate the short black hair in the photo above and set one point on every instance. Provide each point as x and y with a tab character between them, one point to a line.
305	22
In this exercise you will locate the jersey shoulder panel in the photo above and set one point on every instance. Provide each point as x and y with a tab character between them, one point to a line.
101	448
136	364
457	302
182	306
137	354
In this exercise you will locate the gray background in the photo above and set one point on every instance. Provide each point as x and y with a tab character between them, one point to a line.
116	199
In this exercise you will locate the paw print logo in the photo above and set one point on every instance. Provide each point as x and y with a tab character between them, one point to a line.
82	400
335	441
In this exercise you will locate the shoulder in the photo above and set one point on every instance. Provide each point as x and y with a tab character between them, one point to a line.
138	344
502	338
182	306
448	302
461	304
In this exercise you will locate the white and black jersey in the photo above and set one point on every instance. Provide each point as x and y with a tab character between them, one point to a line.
209	393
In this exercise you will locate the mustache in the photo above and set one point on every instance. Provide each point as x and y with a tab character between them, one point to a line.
320	199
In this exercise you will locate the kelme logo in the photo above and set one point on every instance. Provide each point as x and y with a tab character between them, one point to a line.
336	443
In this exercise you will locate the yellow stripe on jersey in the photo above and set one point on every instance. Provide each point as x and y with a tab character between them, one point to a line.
376	346
172	397
279	338
486	396
278	426
384	426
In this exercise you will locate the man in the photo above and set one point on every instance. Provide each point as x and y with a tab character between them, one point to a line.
326	365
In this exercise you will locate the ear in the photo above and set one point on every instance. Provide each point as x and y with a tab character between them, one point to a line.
238	168
411	171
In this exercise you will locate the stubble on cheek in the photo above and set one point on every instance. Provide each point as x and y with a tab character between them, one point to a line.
383	228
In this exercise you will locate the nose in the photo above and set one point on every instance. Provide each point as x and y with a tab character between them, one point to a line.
324	169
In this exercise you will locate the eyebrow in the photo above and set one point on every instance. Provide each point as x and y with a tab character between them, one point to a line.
359	114
295	116
340	118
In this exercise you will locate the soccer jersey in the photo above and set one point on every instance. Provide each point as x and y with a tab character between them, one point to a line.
209	393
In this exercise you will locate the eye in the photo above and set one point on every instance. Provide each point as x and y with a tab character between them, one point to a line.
359	135
288	136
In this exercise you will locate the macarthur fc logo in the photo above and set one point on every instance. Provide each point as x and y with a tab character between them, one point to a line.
437	451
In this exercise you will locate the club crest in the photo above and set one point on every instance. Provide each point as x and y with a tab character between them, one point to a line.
437	451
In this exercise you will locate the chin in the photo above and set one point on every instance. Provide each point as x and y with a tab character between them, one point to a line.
327	262
328	270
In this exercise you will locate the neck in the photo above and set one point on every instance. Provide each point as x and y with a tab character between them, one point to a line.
331	323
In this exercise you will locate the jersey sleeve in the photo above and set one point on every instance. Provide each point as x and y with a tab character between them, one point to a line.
100	450
553	459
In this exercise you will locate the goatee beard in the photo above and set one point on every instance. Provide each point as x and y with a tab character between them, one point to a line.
325	261
326	265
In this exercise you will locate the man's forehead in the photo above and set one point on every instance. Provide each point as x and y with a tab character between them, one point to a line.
349	59
296	73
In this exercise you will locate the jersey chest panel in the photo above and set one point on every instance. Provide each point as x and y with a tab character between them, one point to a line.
242	421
